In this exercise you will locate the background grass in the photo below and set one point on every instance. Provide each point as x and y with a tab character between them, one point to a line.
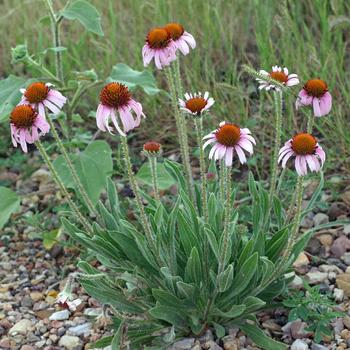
311	38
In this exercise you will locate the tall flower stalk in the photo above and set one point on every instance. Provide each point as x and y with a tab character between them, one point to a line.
182	132
136	191
152	150
62	187
55	23
72	169
278	100
199	131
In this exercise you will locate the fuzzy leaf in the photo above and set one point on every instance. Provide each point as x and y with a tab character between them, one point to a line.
124	74
9	203
86	14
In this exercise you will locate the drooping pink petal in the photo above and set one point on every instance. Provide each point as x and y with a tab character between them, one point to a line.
22	140
298	166
241	155
229	156
115	123
286	157
311	162
13	135
292	82
213	150
209	142
303	164
245	144
303	99
53	108
325	103
316	107
320	152
190	39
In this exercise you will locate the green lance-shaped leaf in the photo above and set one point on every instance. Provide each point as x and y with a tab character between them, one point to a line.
9	203
116	342
234	312
261	339
124	74
193	270
86	14
225	279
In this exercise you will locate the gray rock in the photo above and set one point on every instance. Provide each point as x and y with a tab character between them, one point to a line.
346	258
347	229
69	342
320	219
211	345
21	327
27	301
316	277
59	315
299	345
81	329
340	246
183	344
318	347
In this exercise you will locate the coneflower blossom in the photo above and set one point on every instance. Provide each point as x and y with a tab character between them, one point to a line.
40	95
315	93
115	98
279	74
229	139
160	47
196	104
182	39
152	148
27	125
307	153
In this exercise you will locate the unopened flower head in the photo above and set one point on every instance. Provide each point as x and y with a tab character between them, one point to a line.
315	93
160	47
40	95
152	149
27	125
280	75
182	39
227	140
196	104
116	99
306	151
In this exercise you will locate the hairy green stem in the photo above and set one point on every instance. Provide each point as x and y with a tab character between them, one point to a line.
42	69
228	209
153	166
72	169
181	134
222	176
278	131
199	131
56	40
63	188
297	218
310	122
135	188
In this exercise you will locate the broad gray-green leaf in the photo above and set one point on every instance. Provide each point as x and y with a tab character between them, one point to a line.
235	311
124	74
86	14
92	165
164	179
9	203
9	94
261	339
225	278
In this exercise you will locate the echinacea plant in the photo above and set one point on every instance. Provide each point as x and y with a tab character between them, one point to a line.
199	259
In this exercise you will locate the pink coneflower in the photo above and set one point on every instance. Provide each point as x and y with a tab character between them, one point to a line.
307	153
196	104
27	126
116	98
279	74
40	95
159	46
315	93
227	139
182	39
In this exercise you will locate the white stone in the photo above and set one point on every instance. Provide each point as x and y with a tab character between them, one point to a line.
302	260
59	315
299	345
297	282
21	327
80	329
347	229
320	218
316	277
69	342
338	294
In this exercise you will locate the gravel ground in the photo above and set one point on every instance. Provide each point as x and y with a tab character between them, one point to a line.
31	277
